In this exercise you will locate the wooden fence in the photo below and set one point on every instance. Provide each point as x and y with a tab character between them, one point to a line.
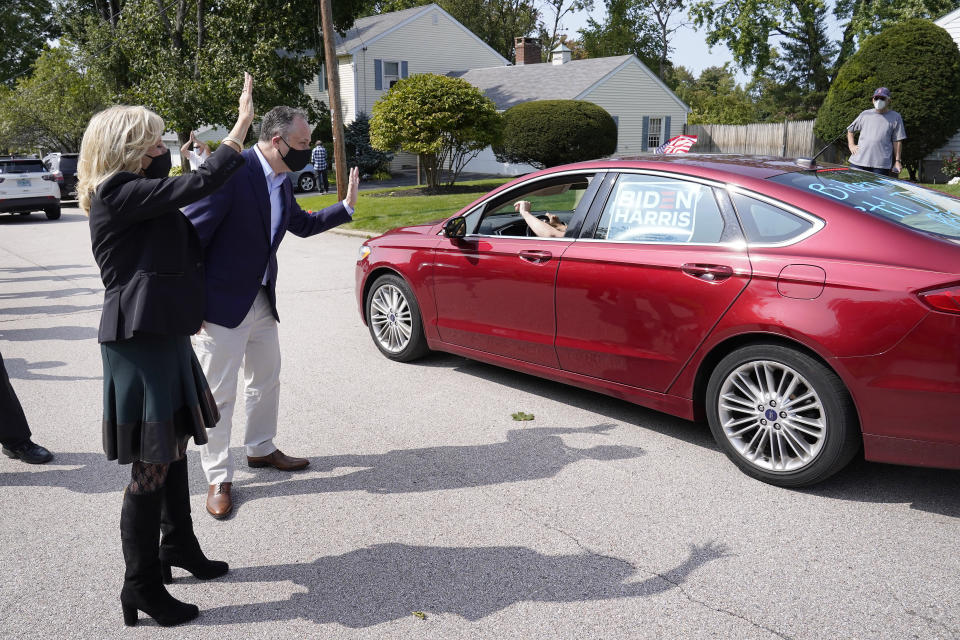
783	139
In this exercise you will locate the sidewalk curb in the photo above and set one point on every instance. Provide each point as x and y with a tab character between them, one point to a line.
355	233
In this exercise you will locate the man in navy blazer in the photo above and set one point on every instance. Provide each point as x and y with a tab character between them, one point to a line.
240	228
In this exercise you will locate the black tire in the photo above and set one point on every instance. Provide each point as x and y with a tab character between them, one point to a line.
814	430
390	307
53	213
307	182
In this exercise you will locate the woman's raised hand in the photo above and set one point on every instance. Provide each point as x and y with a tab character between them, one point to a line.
246	100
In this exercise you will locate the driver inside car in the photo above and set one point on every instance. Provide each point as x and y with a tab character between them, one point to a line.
549	228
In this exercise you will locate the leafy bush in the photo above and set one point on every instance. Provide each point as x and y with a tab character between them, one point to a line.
356	139
951	166
446	121
176	170
545	133
920	63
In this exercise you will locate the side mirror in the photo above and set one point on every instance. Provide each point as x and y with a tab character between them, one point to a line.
455	227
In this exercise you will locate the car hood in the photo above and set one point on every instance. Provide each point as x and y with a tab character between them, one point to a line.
417	229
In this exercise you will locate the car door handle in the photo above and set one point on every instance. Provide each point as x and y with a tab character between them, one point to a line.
534	256
708	272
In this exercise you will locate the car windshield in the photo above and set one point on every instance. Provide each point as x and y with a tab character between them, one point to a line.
896	200
21	166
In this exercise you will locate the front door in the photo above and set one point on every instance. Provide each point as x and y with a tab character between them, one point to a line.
495	288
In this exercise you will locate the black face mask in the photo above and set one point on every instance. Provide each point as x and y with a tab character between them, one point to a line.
159	167
295	159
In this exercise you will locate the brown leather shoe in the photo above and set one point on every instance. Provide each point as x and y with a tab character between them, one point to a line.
279	461
219	502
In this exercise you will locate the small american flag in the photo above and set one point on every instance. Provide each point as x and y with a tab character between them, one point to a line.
679	144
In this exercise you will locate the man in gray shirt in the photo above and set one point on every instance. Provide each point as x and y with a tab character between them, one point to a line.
881	135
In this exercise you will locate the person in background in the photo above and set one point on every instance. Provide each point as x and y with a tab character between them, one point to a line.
196	151
14	431
881	137
241	227
319	160
155	397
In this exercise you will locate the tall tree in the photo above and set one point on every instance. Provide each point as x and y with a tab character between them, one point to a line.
557	10
49	109
183	58
626	29
26	26
715	97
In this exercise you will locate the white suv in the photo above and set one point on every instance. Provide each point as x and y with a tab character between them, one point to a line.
26	186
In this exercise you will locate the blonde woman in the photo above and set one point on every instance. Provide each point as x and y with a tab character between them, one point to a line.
155	397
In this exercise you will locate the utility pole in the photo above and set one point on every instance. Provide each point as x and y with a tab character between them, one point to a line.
333	90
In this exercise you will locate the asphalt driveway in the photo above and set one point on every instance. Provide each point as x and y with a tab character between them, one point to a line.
427	512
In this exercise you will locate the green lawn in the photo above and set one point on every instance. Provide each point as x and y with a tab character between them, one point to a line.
381	213
952	189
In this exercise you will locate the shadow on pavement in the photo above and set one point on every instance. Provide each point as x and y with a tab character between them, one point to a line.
49	333
526	455
52	294
52	267
22	369
50	309
94	473
931	490
387	582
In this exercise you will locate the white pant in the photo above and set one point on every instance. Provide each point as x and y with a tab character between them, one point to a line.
255	345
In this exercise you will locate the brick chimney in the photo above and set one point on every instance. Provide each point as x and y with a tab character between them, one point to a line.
527	50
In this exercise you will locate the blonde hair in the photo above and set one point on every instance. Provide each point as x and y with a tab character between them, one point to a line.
116	140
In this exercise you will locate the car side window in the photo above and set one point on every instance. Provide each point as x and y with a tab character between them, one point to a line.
766	223
645	208
553	199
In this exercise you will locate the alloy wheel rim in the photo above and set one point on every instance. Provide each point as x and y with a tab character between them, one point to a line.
391	318
772	416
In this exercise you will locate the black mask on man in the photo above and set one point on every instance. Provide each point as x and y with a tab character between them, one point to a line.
159	167
295	159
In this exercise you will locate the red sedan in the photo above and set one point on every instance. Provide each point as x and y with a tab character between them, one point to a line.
803	312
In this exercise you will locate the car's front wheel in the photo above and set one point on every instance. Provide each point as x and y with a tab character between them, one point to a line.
781	416
307	182
394	319
53	213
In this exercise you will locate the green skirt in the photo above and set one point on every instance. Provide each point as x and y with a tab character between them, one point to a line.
155	398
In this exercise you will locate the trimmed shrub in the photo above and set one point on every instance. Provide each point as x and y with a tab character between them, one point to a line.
920	64
545	133
356	140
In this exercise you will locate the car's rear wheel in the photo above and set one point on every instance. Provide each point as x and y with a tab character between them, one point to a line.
781	416
394	319
307	182
53	213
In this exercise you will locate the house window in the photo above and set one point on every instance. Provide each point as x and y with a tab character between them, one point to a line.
655	133
391	73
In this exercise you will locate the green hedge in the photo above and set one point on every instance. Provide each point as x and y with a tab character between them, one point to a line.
920	64
545	133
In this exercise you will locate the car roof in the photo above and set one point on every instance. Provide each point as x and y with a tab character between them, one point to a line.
717	166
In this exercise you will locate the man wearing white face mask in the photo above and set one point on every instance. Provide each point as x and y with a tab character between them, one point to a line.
881	137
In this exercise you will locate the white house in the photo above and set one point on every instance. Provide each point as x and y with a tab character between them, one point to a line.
379	50
647	112
931	164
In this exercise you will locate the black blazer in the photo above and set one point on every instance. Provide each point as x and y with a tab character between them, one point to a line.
148	253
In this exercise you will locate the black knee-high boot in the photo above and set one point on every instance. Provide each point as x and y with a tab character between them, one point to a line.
142	584
179	546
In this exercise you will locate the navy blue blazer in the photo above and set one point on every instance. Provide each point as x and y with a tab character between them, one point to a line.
234	228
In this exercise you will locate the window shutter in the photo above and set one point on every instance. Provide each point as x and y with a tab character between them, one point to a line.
666	129
322	78
403	68
377	74
645	132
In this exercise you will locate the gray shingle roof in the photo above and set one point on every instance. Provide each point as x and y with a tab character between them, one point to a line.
508	86
366	29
